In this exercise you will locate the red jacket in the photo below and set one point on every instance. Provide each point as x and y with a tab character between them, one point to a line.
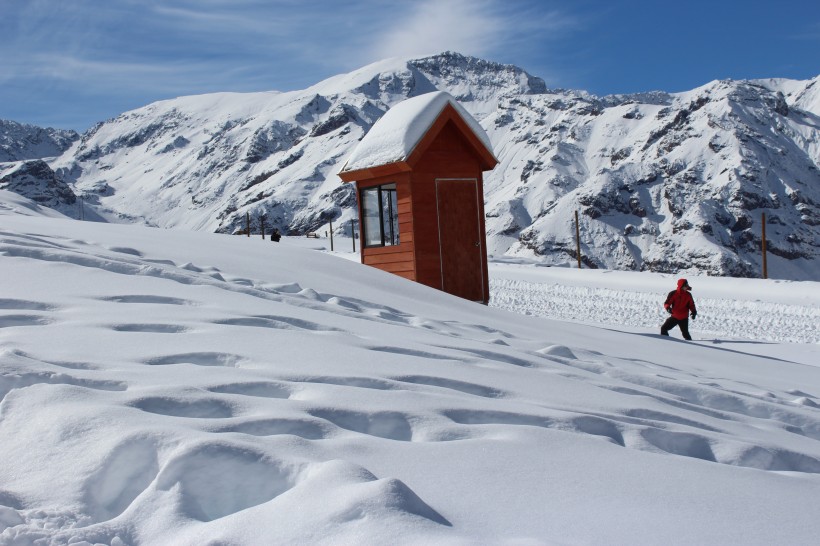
681	303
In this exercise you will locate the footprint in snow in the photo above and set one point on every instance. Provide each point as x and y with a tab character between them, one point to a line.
11	321
150	328
198	359
390	425
146	298
303	428
244	478
258	389
201	408
25	305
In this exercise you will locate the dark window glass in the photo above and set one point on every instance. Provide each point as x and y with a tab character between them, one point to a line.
381	215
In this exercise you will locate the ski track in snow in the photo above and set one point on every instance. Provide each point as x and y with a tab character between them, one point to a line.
717	318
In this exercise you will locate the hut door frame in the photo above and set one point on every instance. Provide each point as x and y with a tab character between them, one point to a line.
474	248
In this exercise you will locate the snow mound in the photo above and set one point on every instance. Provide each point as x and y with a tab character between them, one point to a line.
188	388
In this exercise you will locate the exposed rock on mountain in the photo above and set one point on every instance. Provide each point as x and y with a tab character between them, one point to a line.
35	180
19	142
672	183
663	182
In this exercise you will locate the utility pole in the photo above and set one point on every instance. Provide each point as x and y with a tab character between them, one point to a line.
331	235
577	240
763	243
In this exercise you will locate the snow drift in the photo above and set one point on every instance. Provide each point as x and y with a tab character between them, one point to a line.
165	386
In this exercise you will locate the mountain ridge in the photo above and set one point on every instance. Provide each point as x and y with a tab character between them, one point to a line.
21	141
667	182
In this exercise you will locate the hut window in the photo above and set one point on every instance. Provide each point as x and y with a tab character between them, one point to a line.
381	215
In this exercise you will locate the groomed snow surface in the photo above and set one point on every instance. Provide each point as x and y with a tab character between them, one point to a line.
728	309
169	387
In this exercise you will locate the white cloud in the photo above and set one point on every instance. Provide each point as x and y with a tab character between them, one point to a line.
514	31
470	27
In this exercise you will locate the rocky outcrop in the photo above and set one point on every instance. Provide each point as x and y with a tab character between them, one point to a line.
19	142
35	180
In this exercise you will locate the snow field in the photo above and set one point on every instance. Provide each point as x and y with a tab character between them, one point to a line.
191	388
718	318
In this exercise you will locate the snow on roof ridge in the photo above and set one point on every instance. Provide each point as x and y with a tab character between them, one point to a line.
394	136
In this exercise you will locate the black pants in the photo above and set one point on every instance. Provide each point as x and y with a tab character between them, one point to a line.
671	322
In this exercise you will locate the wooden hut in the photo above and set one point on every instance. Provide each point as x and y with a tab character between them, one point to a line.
419	175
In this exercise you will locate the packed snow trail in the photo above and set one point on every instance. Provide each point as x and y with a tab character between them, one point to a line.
544	292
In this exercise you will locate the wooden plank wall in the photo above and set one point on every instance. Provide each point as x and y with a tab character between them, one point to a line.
449	156
398	259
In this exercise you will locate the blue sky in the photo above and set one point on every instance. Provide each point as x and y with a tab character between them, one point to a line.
71	63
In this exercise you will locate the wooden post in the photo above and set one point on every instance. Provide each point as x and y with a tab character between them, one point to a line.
577	240
331	235
353	233
262	225
763	243
248	223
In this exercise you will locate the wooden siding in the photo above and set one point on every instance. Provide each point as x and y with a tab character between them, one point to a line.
460	237
484	158
449	155
390	258
398	259
376	256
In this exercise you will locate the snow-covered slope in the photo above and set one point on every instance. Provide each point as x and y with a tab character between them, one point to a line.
664	182
204	162
173	387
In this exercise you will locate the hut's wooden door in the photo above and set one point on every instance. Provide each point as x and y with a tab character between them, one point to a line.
460	238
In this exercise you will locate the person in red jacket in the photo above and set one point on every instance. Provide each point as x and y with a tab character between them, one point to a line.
679	304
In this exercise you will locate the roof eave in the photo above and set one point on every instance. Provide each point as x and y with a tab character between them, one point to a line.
375	171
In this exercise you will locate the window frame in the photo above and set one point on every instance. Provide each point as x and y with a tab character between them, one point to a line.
388	226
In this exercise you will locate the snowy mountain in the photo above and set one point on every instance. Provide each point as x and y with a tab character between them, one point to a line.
662	181
21	141
165	392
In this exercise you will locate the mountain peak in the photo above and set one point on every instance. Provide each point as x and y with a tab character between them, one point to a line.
452	69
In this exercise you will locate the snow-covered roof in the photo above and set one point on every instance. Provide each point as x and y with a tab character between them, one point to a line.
397	133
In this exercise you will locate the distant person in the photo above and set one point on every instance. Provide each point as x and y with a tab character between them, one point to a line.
275	235
679	304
